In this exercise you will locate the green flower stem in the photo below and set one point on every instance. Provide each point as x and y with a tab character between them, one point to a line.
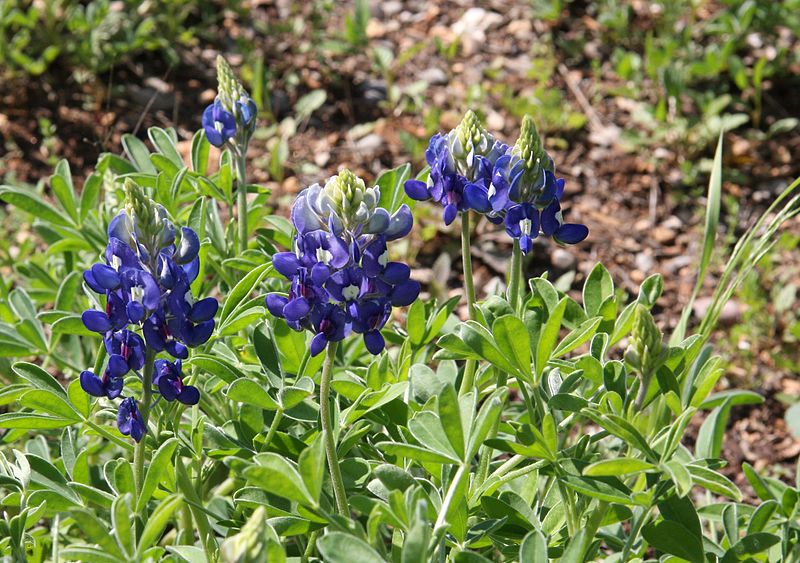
468	381
638	524
451	493
241	200
190	492
515	277
273	428
327	430
109	436
144	410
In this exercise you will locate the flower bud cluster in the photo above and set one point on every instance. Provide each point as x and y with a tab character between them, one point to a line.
342	279
145	278
231	119
515	185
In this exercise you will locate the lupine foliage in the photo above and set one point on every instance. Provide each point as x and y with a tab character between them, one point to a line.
546	426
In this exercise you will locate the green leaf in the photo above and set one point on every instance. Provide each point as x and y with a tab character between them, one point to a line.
751	544
673	538
338	547
39	378
450	419
44	474
200	149
508	331
549	336
597	489
31	421
578	336
415	322
90	195
534	548
480	341
597	289
28	201
276	475
249	392
617	466
712	432
157	522
165	145
709	238
680	476
416	453
714	482
311	464
156	471
391	183
46	401
759	485
96	531
242	290
138	154
486	420
61	184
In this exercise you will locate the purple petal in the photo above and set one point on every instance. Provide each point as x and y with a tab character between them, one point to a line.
190	245
92	283
400	223
477	197
105	276
275	304
285	263
396	272
417	190
405	293
92	384
204	310
318	344
96	321
374	342
450	212
296	309
190	395
571	233
117	365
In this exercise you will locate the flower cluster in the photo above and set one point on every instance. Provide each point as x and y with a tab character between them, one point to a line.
231	119
342	279
145	280
515	185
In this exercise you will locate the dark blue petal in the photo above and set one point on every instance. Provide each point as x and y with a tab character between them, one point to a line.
169	387
135	311
405	293
177	350
203	310
92	384
117	366
105	276
417	190
525	244
477	198
191	269
374	342
285	263
450	212
114	387
318	344
189	247
571	233
96	321
275	303
378	223
92	283
296	309
190	395
396	272
549	220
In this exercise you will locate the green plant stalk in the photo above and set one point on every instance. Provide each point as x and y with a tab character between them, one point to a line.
637	526
327	430
144	410
190	492
515	277
273	428
471	367
241	200
451	493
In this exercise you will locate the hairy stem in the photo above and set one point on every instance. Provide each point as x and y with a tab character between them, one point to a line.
241	200
450	495
468	381
515	277
273	428
327	430
144	410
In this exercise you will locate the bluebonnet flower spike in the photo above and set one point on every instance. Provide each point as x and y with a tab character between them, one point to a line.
146	280
341	278
230	120
461	164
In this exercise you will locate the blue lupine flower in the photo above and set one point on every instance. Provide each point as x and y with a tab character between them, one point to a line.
169	380
525	184
231	119
219	125
461	165
146	280
129	420
340	269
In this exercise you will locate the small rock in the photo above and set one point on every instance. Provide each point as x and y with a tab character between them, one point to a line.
495	121
322	158
663	234
369	144
434	76
672	222
562	259
391	7
730	314
644	262
207	96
